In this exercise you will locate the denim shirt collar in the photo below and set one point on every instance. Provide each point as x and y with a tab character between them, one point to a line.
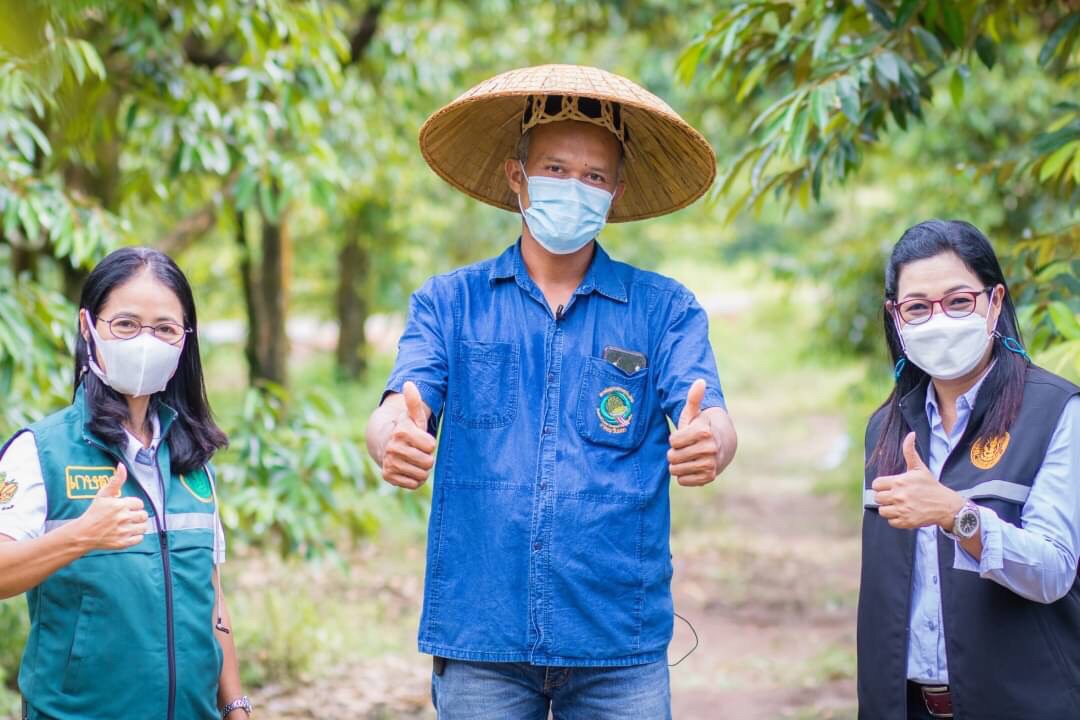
601	277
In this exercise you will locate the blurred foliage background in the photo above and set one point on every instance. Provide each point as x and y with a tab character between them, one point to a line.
269	146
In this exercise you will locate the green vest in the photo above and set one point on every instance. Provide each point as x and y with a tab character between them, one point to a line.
122	633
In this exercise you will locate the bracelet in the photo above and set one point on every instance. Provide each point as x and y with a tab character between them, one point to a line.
242	703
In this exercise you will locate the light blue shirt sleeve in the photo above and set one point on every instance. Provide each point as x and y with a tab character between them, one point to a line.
1038	560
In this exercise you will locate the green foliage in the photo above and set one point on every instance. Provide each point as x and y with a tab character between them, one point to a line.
831	89
14	626
294	478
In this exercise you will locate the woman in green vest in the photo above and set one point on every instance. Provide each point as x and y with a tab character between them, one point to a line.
109	521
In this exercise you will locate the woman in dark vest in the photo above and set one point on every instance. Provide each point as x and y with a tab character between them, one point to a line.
969	605
109	522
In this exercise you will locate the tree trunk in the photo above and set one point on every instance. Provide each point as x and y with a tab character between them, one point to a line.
272	294
251	305
263	277
353	301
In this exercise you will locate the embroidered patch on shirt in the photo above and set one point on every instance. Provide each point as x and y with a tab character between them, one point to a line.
8	488
986	454
616	409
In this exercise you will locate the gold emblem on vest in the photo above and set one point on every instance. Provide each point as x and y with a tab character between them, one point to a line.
83	483
986	454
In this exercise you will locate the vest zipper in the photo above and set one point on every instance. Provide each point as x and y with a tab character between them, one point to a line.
163	540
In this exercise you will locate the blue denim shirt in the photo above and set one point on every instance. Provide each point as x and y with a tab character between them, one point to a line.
548	536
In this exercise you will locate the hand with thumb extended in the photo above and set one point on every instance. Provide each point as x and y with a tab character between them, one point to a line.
911	455
915	498
414	405
115	486
692	408
113	522
409	454
694	457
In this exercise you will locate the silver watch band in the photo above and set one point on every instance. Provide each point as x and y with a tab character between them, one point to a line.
241	703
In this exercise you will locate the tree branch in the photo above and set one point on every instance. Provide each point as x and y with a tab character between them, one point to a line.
365	32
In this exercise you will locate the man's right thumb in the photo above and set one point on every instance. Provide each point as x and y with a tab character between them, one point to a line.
116	482
414	405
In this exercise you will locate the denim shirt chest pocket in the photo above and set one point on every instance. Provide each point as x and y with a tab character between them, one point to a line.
485	392
612	406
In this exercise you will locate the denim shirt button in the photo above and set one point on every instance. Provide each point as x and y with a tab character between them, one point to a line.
537	546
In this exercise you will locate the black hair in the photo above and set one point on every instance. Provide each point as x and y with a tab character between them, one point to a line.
1004	385
194	436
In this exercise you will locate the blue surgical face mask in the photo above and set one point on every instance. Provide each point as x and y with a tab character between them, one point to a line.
564	214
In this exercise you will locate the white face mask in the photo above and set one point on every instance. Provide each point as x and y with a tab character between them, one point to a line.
140	366
947	348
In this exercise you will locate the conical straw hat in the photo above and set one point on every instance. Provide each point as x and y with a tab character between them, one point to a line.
667	163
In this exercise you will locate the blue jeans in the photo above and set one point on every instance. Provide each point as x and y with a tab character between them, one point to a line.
519	691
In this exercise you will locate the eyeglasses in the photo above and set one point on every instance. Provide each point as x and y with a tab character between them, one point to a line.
957	304
128	328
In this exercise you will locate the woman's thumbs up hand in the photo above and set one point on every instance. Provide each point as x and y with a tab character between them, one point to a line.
113	522
915	498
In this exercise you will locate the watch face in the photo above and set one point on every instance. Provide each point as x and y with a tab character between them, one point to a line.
967	523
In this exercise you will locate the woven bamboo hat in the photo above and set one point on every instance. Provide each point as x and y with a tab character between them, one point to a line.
666	163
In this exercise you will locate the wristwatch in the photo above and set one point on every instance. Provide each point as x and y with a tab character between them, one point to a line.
966	522
242	704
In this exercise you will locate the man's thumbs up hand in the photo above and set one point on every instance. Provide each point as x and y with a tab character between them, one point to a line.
410	453
414	405
692	408
694	457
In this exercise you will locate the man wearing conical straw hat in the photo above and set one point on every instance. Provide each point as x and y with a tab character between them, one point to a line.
554	371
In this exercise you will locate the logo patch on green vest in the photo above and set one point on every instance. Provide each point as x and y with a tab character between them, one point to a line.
198	484
83	482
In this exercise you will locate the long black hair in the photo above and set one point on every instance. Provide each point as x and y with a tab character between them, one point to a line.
193	437
1004	385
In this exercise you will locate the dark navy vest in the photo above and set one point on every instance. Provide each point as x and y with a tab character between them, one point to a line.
1009	658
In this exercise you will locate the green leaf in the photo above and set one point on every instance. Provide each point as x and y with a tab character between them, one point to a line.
93	60
930	44
956	87
879	14
986	50
799	133
907	9
750	81
1064	320
818	107
888	67
825	33
1064	27
848	90
954	22
1053	164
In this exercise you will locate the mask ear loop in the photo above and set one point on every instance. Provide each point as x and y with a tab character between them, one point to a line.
1012	345
898	369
